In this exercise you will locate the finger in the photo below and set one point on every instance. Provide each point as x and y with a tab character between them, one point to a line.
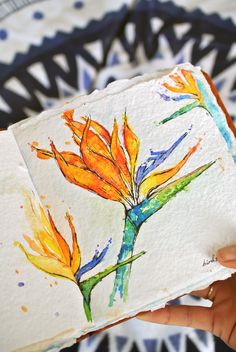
201	293
209	292
228	264
227	256
190	316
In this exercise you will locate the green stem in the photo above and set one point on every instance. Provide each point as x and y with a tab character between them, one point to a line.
181	111
87	310
88	285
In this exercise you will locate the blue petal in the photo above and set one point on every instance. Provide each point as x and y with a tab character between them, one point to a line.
181	97
156	159
175	98
97	258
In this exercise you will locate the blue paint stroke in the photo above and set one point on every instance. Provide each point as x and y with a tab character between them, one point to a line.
175	98
156	159
97	258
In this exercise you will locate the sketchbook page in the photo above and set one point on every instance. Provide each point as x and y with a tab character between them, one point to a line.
32	306
146	168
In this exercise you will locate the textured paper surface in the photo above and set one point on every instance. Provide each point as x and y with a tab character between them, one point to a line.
179	240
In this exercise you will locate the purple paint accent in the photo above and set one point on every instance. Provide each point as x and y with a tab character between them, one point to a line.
174	98
97	258
21	284
156	159
165	97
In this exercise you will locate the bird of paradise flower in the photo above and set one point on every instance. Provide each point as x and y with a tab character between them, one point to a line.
107	167
57	259
189	87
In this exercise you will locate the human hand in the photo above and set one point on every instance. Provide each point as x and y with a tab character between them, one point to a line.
219	319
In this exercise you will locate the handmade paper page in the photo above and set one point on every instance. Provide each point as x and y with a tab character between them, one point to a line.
146	171
33	306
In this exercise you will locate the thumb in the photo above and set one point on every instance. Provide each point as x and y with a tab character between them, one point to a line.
227	256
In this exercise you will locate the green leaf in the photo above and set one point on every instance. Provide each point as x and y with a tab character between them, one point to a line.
181	111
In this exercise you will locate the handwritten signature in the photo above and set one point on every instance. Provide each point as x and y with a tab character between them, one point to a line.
209	261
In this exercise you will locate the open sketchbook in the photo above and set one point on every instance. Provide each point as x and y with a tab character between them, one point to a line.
113	204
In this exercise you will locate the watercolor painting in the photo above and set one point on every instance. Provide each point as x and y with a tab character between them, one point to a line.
55	257
107	165
192	88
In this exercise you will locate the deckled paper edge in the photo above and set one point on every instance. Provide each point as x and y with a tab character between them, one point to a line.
54	344
70	337
112	89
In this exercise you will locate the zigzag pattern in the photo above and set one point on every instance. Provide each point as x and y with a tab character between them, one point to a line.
147	26
8	7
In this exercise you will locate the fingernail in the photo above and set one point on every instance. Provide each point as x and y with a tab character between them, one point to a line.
227	253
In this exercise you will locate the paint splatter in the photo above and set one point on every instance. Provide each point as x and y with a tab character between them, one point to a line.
47	206
24	309
21	284
67	142
21	206
35	144
17	271
55	283
42	197
57	314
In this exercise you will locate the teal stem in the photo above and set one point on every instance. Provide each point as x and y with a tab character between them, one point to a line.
131	230
88	285
136	216
211	106
219	117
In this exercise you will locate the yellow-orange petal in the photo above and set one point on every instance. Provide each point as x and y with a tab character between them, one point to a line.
65	250
192	83
48	265
156	179
42	153
50	245
175	89
74	159
177	79
95	142
118	154
36	247
103	167
69	157
131	143
76	255
41	227
85	178
100	129
68	115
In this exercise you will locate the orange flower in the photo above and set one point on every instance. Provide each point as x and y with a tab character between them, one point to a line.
106	165
103	165
54	255
184	84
